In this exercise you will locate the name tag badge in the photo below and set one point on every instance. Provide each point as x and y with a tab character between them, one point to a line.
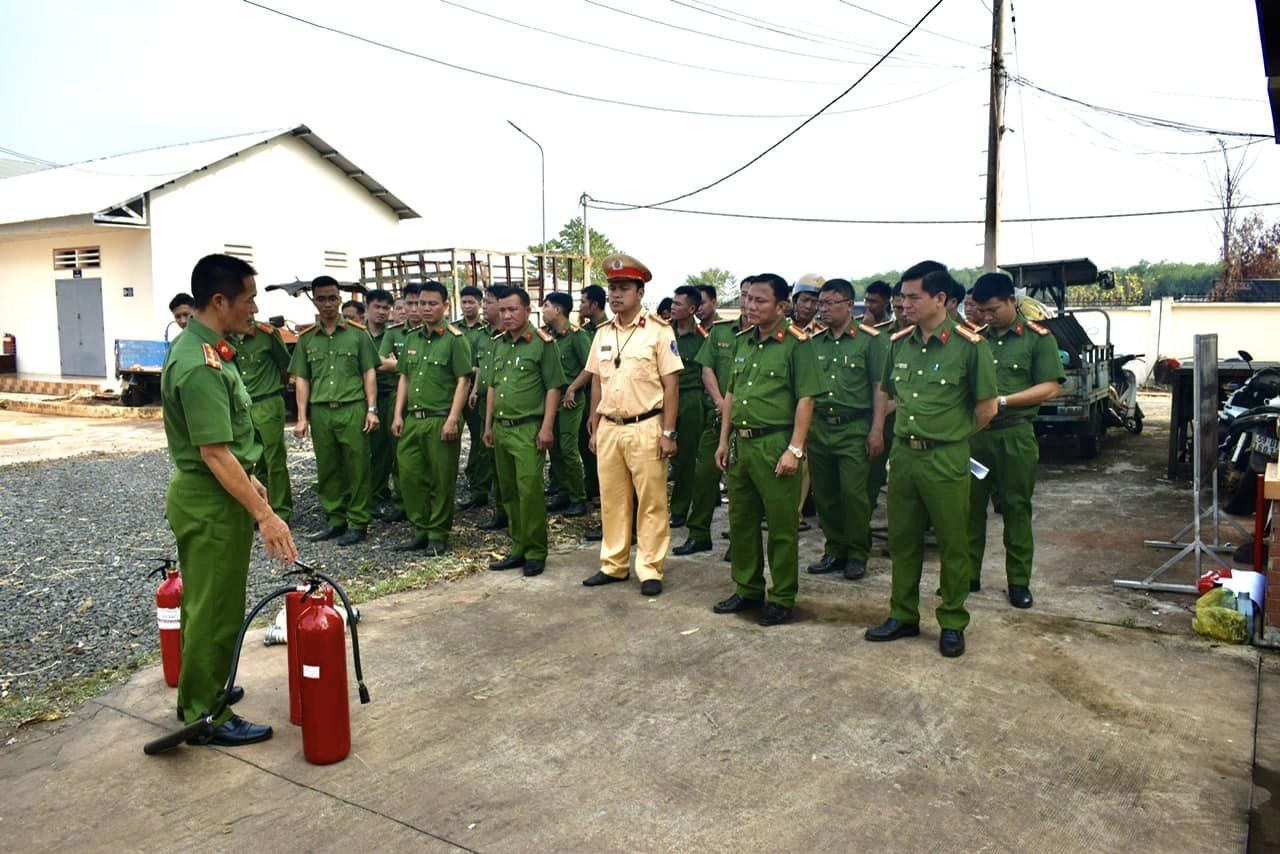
902	365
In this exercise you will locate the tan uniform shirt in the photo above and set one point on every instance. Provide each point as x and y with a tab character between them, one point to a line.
631	361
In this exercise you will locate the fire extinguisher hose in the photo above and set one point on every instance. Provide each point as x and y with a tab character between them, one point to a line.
351	622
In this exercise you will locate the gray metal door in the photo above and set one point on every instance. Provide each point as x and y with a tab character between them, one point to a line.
81	335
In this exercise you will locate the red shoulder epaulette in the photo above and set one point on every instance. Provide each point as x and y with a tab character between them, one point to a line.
870	330
211	357
902	333
797	333
310	327
1037	328
356	324
704	333
967	334
455	330
544	334
265	327
816	328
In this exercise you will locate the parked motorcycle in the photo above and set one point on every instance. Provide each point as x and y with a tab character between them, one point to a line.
1122	396
1247	436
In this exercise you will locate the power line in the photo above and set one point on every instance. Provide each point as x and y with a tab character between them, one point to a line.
982	47
804	123
603	205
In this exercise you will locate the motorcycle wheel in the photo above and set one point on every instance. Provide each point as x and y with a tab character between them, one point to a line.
1135	423
1239	491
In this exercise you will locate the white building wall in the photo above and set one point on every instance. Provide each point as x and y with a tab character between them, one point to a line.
286	202
28	305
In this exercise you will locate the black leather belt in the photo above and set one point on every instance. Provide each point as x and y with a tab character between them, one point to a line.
266	396
337	404
516	422
916	444
634	419
757	432
1012	422
428	413
845	417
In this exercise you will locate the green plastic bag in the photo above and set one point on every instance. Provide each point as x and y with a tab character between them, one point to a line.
1216	617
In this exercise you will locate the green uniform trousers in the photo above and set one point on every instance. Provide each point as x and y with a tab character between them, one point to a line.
838	468
756	496
1012	454
684	465
382	448
706	477
929	487
566	459
428	476
878	468
590	472
273	468
342	463
479	468
214	534
519	464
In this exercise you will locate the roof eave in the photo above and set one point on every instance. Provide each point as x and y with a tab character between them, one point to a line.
355	173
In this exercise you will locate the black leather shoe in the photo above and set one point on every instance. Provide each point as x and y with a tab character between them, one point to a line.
829	563
330	533
471	503
508	562
735	604
496	522
1019	596
350	538
728	555
678	521
595	535
574	510
600	578
234	732
534	567
417	544
557	502
774	615
891	630
651	587
237	694
692	547
394	515
855	569
951	643
436	548
975	586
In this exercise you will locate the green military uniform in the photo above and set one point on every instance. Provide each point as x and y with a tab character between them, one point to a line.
479	458
838	461
1025	355
574	346
937	385
716	353
690	418
334	364
433	360
205	403
878	472
524	368
390	344
770	375
590	476
382	448
261	357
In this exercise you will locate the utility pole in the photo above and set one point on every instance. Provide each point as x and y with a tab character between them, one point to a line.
586	244
995	131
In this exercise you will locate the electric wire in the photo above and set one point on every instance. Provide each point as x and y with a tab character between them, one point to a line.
982	47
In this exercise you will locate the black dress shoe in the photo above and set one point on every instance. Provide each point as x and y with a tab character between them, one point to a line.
436	548
678	521
234	732
975	586
534	567
951	643
728	555
829	563
471	503
574	509
351	537
496	522
855	569
417	544
558	502
508	562
651	587
330	533
1019	596
595	535
236	695
395	514
774	615
735	604
601	578
891	630
692	547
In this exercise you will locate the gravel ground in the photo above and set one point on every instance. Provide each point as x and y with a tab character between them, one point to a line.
79	535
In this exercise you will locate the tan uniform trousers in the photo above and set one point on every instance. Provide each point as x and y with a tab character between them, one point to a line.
632	475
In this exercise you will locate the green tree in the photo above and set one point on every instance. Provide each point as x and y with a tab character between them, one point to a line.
569	242
721	280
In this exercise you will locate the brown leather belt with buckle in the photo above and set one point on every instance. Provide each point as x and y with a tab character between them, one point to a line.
634	419
757	432
516	422
846	417
428	413
916	444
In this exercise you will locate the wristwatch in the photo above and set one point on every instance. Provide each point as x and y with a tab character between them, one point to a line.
796	452
1004	401
373	410
669	434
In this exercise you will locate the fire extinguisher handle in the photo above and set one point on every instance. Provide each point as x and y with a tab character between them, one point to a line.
162	566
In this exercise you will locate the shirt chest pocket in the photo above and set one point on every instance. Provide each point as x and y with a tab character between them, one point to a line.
944	377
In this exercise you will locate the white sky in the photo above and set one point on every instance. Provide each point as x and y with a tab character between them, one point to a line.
87	79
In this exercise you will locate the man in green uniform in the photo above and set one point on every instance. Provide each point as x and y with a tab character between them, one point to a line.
390	348
574	346
381	445
769	407
878	299
483	344
707	308
182	307
520	423
435	376
213	501
848	430
333	365
942	378
479	458
715	360
690	337
263	363
591	316
1028	372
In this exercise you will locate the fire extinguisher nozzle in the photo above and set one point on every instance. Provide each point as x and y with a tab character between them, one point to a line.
364	694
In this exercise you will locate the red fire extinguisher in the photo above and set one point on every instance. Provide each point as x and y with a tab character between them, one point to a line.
322	659
294	605
168	619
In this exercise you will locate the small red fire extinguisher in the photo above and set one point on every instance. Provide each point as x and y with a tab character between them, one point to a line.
322	660
168	619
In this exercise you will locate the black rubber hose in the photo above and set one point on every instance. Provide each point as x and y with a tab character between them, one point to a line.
351	623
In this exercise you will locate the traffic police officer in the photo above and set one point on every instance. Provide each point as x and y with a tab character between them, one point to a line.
769	406
942	378
435	376
213	501
263	363
334	363
1028	372
574	346
693	400
520	423
848	430
634	401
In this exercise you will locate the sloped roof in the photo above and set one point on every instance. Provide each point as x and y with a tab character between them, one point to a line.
10	167
101	185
